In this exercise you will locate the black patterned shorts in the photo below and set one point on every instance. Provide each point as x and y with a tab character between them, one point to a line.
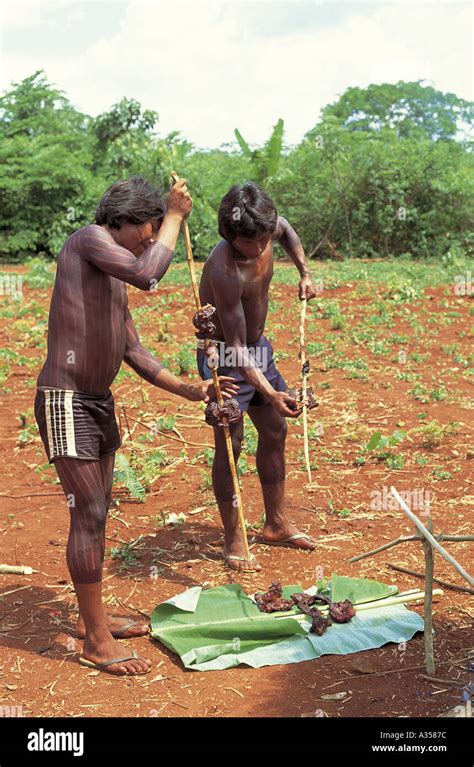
76	425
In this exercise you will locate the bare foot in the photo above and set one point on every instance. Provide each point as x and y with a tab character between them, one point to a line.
280	535
119	627
103	647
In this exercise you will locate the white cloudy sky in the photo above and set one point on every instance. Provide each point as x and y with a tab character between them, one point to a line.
208	67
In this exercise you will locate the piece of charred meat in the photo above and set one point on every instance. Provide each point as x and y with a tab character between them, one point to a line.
340	612
221	415
271	601
274	592
202	321
319	623
278	605
303	599
305	368
297	394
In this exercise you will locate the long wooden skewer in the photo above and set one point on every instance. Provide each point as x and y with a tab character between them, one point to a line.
215	378
304	386
397	599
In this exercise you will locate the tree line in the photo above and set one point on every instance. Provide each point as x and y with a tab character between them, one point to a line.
386	171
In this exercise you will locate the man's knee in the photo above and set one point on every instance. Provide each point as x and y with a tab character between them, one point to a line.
90	516
237	444
221	447
108	500
273	437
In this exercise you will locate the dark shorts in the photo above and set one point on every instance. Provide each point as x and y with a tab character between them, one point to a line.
76	425
247	395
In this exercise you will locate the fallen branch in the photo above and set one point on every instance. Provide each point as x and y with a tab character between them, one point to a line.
436	580
29	495
151	428
457	682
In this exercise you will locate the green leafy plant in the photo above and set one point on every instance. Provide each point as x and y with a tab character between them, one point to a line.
126	555
126	475
433	433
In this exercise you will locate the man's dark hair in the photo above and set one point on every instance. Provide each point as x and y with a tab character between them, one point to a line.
133	200
246	211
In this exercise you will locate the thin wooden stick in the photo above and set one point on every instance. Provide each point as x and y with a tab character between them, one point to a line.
428	605
385	546
446	584
456	682
304	386
220	399
405	538
430	538
397	599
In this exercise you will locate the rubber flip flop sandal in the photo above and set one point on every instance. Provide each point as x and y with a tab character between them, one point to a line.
236	558
128	626
103	666
288	542
120	632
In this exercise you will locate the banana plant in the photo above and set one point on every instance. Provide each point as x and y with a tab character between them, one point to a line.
264	161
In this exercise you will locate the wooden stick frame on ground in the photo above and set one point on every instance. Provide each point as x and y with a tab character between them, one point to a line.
429	543
404	539
213	366
429	537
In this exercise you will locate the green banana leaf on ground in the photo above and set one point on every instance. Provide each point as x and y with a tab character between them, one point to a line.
222	627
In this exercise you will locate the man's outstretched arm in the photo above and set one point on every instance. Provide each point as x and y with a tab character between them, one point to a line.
99	247
291	244
151	369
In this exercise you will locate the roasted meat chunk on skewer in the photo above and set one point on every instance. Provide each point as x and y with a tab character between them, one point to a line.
202	321
271	601
220	415
319	623
311	401
340	612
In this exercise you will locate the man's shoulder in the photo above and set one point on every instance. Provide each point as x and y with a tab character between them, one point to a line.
76	236
220	259
280	228
93	230
81	242
221	251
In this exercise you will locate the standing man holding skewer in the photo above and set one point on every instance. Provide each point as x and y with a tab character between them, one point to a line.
90	334
236	280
